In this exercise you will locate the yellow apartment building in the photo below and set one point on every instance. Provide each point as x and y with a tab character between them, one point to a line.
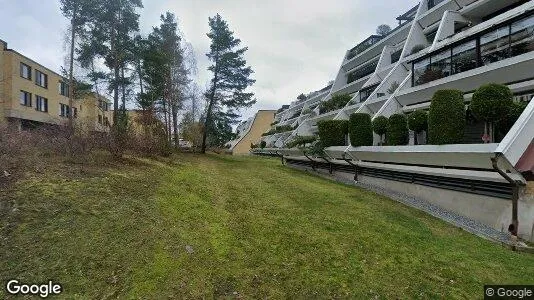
33	95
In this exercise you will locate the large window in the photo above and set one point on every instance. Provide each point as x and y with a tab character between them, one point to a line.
464	57
64	110
420	68
523	36
440	65
508	40
25	71
41	79
362	72
367	92
495	46
25	98
63	89
41	104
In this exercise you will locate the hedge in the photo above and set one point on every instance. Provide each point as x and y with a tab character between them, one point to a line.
418	121
279	129
398	130
300	141
360	130
332	132
380	125
335	103
503	126
491	102
446	118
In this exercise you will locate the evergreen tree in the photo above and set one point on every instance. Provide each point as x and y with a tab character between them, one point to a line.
230	80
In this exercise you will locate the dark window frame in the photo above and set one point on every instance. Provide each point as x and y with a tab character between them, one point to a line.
38	79
476	37
42	105
29	71
27	98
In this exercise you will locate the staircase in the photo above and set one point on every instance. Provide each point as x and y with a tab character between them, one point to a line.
473	133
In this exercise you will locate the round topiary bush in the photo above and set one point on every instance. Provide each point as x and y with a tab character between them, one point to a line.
332	132
446	118
360	130
380	126
503	126
418	122
263	144
397	130
491	103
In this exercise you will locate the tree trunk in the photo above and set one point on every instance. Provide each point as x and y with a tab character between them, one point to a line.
175	124
210	107
71	70
415	138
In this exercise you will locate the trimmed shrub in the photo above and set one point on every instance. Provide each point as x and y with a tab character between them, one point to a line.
380	127
397	130
446	118
502	127
263	144
301	141
332	132
418	122
360	130
491	103
337	102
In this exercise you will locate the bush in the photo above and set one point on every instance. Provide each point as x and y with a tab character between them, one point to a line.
301	141
380	126
337	102
418	121
446	118
397	130
503	126
332	132
491	102
360	130
263	144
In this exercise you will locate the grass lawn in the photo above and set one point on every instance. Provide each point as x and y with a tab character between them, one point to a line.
235	227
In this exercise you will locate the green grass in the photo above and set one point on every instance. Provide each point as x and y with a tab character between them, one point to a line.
257	230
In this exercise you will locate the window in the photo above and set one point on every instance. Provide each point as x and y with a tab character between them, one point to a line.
523	36
63	89
64	110
494	46
100	119
362	72
25	98
431	36
395	56
41	79
419	70
432	3
367	92
41	104
25	71
440	66
103	105
106	121
464	57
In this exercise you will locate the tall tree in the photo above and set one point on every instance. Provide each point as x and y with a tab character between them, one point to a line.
231	77
79	13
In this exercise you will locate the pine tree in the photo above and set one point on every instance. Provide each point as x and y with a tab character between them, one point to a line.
230	80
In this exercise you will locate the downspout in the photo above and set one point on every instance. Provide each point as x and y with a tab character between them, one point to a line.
352	164
514	227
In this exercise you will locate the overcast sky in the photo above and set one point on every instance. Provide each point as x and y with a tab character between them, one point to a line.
295	46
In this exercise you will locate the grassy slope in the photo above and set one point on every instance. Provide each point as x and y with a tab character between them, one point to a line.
256	228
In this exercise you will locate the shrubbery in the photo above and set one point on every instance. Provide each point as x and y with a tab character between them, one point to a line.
491	103
337	102
263	144
446	118
279	129
397	130
301	141
380	127
360	130
332	132
418	122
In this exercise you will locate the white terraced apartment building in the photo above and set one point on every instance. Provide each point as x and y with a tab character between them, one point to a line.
439	44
